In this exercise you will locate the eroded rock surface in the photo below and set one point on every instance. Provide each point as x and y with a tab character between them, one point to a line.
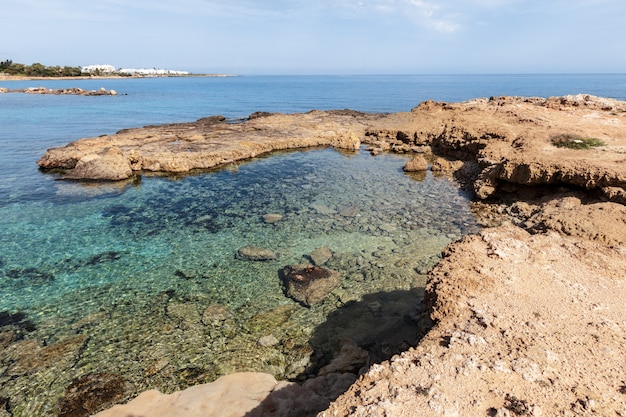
532	322
210	142
509	137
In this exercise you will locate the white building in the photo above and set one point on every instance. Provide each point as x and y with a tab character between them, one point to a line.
102	69
150	71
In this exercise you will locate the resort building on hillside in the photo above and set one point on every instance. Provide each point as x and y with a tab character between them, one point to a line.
150	71
110	69
101	69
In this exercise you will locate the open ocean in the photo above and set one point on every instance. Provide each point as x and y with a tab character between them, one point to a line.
141	281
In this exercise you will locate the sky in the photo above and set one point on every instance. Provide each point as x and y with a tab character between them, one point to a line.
320	36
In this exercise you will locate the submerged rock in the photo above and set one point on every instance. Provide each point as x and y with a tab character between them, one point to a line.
30	276
308	284
18	319
215	314
351	358
32	356
109	256
255	253
90	393
272	218
269	340
320	256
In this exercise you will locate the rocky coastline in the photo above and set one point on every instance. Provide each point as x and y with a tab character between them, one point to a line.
524	318
74	91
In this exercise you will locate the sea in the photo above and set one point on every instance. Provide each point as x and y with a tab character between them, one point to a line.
138	285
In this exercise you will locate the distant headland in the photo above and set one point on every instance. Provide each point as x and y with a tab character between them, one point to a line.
15	71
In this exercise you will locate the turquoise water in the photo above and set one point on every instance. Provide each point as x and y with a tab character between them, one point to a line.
146	273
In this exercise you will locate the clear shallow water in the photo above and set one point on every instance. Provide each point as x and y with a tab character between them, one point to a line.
146	273
149	275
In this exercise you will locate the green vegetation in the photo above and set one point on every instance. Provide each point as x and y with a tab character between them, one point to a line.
38	70
568	140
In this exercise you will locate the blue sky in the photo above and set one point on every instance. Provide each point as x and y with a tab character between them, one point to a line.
321	36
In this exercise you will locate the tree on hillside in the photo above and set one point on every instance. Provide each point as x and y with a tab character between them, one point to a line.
4	65
38	70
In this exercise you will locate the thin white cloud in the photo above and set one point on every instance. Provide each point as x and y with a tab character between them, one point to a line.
434	16
427	14
440	16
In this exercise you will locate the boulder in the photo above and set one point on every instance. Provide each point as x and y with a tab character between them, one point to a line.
308	284
417	163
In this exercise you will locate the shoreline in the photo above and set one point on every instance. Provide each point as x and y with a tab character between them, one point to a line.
107	77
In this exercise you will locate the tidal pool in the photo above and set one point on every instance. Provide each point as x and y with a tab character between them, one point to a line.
142	283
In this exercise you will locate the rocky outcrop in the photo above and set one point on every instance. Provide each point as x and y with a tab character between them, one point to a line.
210	142
603	222
509	138
66	91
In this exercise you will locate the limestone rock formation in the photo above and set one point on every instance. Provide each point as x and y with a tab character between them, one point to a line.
201	145
109	165
509	138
